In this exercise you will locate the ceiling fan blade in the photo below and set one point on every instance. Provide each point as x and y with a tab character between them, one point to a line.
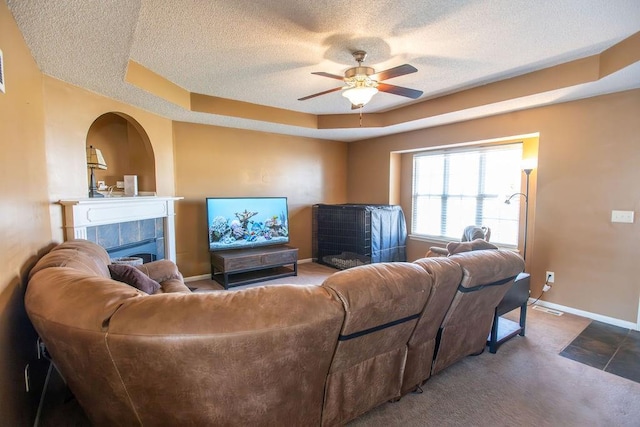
331	76
320	93
398	71
399	90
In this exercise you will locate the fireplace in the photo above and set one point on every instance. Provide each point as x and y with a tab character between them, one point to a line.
125	226
141	238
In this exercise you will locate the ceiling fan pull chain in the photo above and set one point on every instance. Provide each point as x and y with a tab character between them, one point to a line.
361	115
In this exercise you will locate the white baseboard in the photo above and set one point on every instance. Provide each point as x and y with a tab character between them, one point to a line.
589	315
208	276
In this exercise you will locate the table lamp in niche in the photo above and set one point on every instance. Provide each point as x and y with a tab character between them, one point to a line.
95	160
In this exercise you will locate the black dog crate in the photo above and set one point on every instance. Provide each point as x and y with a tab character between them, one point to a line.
349	235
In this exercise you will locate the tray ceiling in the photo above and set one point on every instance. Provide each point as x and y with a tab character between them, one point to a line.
224	54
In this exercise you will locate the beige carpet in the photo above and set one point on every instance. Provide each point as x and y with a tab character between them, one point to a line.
309	273
526	383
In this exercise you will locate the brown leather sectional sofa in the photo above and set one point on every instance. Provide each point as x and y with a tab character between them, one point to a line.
269	355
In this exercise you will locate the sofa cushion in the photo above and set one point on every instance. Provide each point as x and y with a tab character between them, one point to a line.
134	277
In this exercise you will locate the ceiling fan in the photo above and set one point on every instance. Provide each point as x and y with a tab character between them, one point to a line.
361	83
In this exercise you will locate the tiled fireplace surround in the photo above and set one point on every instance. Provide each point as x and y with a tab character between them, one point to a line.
132	238
132	225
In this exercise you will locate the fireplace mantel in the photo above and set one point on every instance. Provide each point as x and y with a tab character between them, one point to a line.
82	213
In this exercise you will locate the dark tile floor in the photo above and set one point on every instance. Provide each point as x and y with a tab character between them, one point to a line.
610	348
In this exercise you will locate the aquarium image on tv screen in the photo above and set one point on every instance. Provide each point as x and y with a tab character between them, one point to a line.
240	222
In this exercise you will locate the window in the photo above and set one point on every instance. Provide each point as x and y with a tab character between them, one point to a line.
459	187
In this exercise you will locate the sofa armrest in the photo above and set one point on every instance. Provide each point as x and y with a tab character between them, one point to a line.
167	274
161	270
173	286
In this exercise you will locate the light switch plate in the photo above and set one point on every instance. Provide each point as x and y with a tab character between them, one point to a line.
622	216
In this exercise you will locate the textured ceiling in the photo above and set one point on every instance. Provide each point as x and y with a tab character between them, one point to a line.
263	52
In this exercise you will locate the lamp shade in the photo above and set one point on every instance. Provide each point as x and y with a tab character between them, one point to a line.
95	160
529	164
359	95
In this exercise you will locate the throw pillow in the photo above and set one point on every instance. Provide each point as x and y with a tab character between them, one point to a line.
132	276
474	245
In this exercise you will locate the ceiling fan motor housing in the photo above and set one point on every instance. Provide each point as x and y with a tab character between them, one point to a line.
358	71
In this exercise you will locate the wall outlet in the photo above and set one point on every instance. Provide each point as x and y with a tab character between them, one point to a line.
119	184
550	277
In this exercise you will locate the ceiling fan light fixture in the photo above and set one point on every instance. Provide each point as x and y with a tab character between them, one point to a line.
360	90
361	83
359	95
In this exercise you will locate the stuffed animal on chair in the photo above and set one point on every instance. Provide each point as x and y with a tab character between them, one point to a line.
470	233
474	245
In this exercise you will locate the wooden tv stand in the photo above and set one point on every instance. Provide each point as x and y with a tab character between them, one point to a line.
243	266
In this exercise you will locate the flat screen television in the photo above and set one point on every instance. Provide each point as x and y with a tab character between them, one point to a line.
244	222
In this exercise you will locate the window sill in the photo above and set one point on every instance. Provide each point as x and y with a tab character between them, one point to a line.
422	238
443	242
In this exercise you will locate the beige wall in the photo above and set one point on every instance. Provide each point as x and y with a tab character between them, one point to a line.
69	113
588	158
213	161
24	220
43	129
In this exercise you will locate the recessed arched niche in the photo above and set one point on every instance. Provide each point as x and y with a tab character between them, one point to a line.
126	149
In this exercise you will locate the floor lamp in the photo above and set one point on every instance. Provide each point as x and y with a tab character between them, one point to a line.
527	170
518	294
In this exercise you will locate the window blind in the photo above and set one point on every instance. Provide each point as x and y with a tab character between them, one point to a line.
467	186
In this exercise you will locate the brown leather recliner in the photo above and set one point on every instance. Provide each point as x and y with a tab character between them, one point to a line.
382	304
468	320
446	275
